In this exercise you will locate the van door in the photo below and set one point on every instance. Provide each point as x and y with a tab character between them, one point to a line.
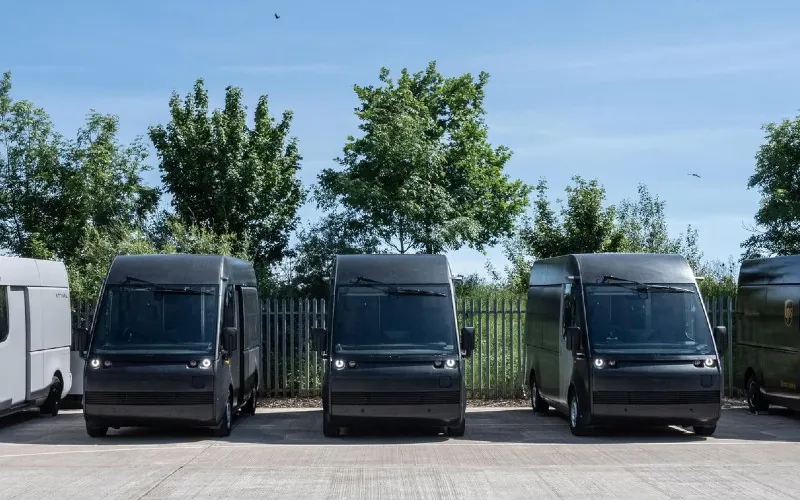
565	358
251	338
13	346
231	317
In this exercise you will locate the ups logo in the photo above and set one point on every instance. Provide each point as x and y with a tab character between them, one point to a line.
788	312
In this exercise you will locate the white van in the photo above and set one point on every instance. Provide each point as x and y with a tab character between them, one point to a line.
35	335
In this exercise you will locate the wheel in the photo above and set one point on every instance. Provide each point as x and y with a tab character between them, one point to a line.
577	419
755	400
538	403
459	430
704	430
53	402
250	407
225	425
328	427
96	432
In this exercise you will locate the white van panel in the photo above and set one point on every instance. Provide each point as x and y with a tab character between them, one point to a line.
19	272
52	274
55	317
57	360
13	355
35	325
36	372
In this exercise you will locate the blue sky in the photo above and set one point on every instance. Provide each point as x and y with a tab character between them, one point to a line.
626	92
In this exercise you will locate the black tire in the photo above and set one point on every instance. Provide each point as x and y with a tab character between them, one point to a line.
577	419
755	400
225	425
52	404
460	429
704	430
328	428
250	407
538	403
96	432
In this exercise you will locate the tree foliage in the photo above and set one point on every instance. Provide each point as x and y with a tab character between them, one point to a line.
423	177
777	177
228	177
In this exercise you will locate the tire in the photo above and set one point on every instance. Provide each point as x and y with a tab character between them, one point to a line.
538	403
96	432
577	419
52	404
250	407
459	430
328	428
755	400
225	425
704	430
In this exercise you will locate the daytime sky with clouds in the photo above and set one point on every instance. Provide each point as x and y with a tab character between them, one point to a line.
625	92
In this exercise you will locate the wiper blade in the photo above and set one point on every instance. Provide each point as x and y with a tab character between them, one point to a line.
164	288
414	291
362	279
668	288
644	286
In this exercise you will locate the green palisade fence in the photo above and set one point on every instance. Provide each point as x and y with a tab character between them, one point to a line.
495	371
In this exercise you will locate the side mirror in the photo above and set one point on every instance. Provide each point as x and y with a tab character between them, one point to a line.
319	336
230	335
468	340
721	339
573	339
82	341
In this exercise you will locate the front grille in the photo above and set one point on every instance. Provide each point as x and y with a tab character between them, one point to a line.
656	397
149	398
396	398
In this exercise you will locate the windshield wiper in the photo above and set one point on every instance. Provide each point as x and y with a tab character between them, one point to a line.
642	286
163	288
393	289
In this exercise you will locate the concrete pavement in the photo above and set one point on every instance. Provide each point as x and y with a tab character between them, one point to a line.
506	453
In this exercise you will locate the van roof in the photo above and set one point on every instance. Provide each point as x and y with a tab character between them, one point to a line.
592	267
784	270
416	269
181	269
18	271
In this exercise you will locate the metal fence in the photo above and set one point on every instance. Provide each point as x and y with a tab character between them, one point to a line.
495	371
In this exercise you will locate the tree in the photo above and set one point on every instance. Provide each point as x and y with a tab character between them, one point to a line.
229	177
777	177
336	233
424	177
53	189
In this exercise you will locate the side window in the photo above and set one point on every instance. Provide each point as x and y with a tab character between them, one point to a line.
569	307
229	308
4	326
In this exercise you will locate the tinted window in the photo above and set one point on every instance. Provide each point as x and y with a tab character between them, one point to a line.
150	318
658	321
229	308
372	320
4	326
252	317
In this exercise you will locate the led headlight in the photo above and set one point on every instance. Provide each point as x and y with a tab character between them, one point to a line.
95	363
206	363
450	363
338	364
599	363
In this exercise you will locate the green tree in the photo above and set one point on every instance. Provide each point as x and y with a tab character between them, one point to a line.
336	233
777	177
229	177
51	188
423	176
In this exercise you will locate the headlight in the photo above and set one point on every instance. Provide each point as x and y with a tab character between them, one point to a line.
599	363
710	362
206	363
95	363
450	363
106	363
351	364
338	364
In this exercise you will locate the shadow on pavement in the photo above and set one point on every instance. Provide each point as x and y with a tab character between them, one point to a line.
484	425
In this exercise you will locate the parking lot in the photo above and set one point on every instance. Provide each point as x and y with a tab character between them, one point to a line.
506	453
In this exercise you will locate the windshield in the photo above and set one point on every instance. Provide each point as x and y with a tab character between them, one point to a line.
391	320
647	320
157	318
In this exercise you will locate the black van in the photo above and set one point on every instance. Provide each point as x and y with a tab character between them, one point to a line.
393	349
618	337
176	339
768	331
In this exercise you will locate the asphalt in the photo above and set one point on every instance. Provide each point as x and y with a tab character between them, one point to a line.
506	453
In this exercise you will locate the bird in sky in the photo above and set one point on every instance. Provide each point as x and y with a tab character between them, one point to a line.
277	16
695	175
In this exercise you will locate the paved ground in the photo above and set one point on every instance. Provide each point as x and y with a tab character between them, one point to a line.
506	453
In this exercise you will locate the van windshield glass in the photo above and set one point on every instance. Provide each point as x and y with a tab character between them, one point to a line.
157	318
394	320
658	320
